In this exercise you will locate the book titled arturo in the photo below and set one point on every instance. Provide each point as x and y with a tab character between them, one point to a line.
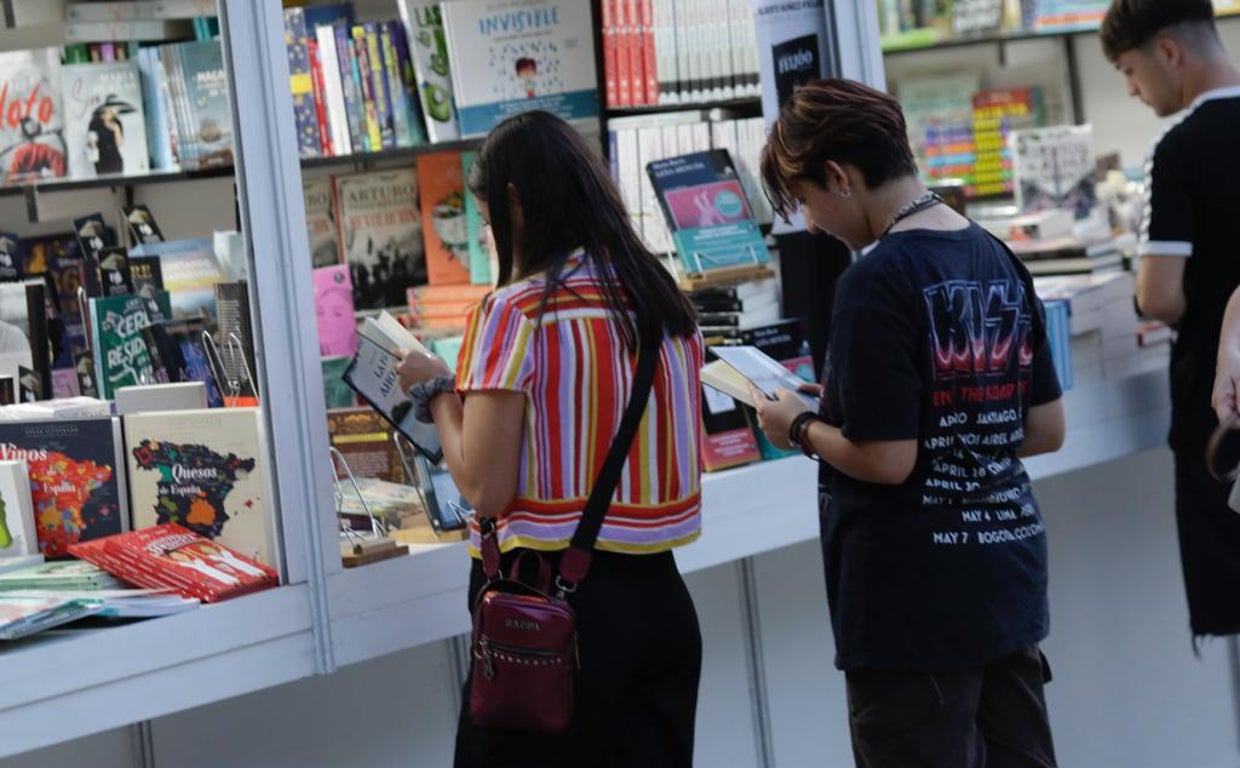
205	470
381	235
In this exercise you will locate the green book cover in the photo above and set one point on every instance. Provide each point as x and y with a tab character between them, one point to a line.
121	355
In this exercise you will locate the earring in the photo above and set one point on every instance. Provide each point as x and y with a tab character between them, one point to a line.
845	193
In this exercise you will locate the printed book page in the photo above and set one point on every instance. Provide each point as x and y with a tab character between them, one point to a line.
763	372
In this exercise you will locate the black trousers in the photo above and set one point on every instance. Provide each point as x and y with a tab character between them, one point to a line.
1209	534
635	699
992	716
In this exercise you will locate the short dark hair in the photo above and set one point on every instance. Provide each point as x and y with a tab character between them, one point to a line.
1129	24
840	120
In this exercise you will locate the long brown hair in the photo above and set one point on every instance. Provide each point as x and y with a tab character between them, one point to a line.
569	202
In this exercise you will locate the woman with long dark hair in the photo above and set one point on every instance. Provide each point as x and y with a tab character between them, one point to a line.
543	378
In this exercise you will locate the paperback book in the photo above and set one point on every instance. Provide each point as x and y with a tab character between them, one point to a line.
18	536
77	478
445	224
320	201
205	470
105	129
513	56
381	235
32	144
170	556
706	208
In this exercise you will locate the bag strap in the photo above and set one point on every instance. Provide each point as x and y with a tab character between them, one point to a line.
575	561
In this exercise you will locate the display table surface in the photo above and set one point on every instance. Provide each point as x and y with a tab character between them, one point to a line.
73	683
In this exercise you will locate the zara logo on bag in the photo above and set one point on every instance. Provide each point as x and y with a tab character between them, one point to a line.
530	626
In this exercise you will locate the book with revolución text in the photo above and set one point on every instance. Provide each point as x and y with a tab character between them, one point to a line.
381	235
205	470
173	557
706	208
121	356
77	478
32	145
372	374
513	56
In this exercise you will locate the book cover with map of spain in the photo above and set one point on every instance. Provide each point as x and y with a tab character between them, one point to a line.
77	478
205	470
170	556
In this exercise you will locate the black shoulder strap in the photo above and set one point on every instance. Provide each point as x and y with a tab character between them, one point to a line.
576	561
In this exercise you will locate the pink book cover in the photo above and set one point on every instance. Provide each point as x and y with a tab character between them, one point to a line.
333	303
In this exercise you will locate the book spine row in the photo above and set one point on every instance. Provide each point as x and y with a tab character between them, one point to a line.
678	51
635	145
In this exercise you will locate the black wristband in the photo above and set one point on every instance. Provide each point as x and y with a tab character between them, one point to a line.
796	431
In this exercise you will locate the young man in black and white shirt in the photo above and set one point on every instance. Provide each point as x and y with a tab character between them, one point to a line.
1172	59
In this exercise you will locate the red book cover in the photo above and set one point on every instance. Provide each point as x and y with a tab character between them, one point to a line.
609	52
171	557
320	98
624	77
650	67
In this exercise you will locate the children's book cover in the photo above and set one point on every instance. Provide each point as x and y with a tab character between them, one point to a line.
205	470
105	129
445	222
512	56
18	535
77	478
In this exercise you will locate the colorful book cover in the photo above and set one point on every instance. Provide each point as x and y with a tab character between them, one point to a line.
18	535
366	440
190	272
320	200
209	103
205	470
308	141
480	256
121	357
32	144
1054	168
77	478
512	56
408	130
160	136
445	224
996	114
381	235
105	124
183	352
350	83
408	79
429	51
21	615
175	557
706	208
333	303
364	75
379	86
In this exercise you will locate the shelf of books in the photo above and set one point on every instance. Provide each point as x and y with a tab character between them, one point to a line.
910	27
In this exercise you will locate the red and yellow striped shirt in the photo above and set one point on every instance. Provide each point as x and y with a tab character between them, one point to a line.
576	375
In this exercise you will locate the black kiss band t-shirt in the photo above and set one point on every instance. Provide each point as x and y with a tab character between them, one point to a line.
938	337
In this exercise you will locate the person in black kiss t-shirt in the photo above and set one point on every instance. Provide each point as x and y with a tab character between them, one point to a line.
1171	58
938	379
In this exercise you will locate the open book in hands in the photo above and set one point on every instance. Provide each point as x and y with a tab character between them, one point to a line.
372	374
740	367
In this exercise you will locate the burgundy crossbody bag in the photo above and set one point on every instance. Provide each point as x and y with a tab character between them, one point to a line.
525	635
